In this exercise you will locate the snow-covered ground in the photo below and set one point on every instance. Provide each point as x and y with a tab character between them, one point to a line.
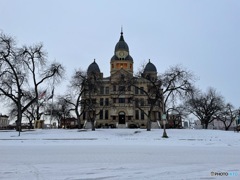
119	154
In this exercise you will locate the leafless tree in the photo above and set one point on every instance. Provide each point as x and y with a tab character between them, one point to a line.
91	85
205	105
59	110
227	115
76	90
153	93
23	68
177	84
165	90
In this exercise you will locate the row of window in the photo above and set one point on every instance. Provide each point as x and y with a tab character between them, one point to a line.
138	102
122	65
138	115
105	90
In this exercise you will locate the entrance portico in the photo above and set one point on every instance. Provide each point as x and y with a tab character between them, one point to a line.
121	118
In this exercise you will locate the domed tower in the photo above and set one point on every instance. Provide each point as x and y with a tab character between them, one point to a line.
150	70
93	68
121	58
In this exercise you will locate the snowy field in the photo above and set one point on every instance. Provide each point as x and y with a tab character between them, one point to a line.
119	154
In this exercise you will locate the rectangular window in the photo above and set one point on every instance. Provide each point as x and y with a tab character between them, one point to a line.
101	101
136	90
114	117
142	102
142	115
106	102
101	114
107	90
106	114
101	90
136	102
137	115
121	100
114	88
114	100
142	90
129	88
129	118
121	88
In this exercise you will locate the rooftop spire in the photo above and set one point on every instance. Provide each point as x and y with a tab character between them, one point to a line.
121	37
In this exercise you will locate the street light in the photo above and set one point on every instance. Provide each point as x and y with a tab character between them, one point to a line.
164	120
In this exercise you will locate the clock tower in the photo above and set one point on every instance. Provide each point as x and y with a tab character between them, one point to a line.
121	58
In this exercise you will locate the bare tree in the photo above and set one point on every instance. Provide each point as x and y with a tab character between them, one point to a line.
205	105
59	110
36	63
76	90
153	94
91	85
164	91
21	68
227	115
177	83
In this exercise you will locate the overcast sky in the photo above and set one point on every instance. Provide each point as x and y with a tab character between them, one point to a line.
201	35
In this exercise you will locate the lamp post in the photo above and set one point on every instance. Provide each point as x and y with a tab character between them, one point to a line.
164	120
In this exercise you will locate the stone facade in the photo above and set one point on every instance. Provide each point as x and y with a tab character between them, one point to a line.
119	104
4	122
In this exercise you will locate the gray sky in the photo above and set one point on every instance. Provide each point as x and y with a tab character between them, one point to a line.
201	35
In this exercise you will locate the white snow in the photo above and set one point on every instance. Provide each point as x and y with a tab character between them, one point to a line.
60	154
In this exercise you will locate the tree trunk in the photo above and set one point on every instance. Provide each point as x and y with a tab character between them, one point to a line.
148	125
38	114
206	125
30	124
93	127
19	122
58	123
79	122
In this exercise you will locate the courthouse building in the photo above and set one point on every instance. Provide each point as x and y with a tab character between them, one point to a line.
119	104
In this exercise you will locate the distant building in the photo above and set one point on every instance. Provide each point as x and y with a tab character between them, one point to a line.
186	124
39	124
116	104
215	124
4	122
174	121
68	123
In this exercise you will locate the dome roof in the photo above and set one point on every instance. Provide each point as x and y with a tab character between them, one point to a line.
121	45
93	68
150	67
114	58
127	58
